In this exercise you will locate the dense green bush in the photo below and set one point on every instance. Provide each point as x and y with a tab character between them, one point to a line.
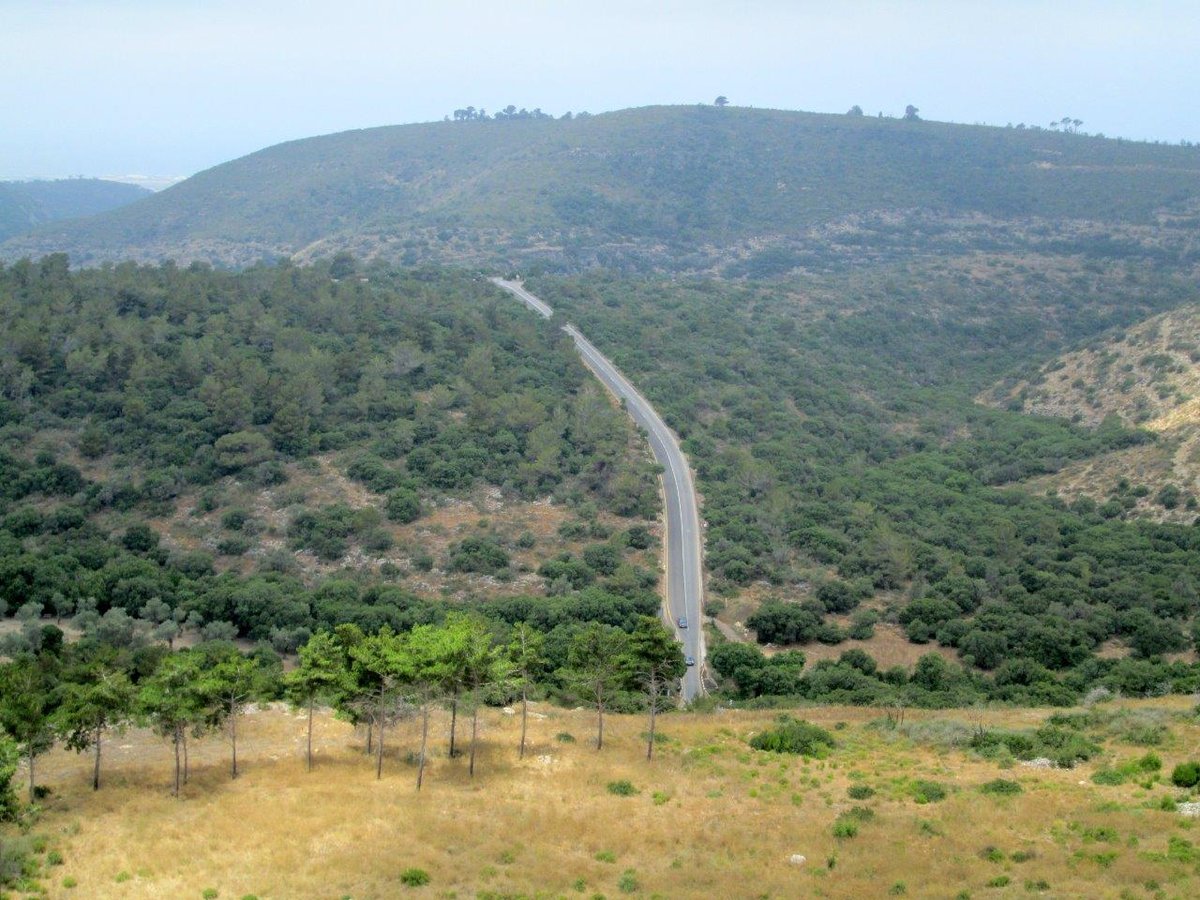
794	736
1186	775
1001	787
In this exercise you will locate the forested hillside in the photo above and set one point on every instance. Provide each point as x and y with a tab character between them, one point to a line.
754	191
25	205
260	454
852	485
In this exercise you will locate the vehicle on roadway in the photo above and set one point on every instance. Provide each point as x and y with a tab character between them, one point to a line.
690	660
683	621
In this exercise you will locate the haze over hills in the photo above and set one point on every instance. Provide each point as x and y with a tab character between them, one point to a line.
24	205
680	188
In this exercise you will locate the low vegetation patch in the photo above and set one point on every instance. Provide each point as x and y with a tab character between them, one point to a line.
794	736
928	791
622	788
414	877
1001	787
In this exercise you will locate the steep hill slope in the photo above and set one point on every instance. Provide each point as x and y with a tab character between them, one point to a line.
25	205
678	187
1147	375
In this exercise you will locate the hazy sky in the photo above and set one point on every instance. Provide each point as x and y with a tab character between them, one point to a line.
169	87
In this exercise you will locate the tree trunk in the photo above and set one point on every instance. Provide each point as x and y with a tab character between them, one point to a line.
474	732
424	742
599	721
176	741
310	720
379	753
233	742
183	737
524	717
370	735
453	721
653	713
96	766
31	791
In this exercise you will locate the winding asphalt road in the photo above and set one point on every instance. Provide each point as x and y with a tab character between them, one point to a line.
685	577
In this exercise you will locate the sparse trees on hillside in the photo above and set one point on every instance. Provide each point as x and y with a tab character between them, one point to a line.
228	686
29	697
596	662
721	101
656	663
910	113
323	675
526	660
170	702
97	697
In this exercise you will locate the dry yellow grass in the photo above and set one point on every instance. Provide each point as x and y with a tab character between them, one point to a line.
546	826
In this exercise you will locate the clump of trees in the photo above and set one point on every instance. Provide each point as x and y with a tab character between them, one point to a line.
80	693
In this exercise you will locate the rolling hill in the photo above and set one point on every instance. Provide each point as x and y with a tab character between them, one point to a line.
1148	376
686	188
25	205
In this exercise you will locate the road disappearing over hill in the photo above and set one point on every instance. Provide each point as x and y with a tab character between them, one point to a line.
685	576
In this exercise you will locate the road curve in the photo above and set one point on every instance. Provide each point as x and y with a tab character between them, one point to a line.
685	575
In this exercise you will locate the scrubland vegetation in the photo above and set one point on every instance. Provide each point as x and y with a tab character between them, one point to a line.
277	546
890	801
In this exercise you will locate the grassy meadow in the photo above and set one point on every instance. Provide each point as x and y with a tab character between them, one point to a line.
709	816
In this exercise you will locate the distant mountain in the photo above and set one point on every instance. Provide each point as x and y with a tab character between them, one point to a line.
25	205
660	187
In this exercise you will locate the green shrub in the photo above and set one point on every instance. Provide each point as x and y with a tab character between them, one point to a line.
844	828
1107	776
54	858
860	792
1000	881
414	877
70	882
565	737
1000	787
928	792
794	736
622	788
210	894
1186	775
606	856
628	883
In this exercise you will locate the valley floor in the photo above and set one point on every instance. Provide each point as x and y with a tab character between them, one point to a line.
711	817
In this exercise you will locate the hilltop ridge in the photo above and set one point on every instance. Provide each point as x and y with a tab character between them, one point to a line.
679	187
